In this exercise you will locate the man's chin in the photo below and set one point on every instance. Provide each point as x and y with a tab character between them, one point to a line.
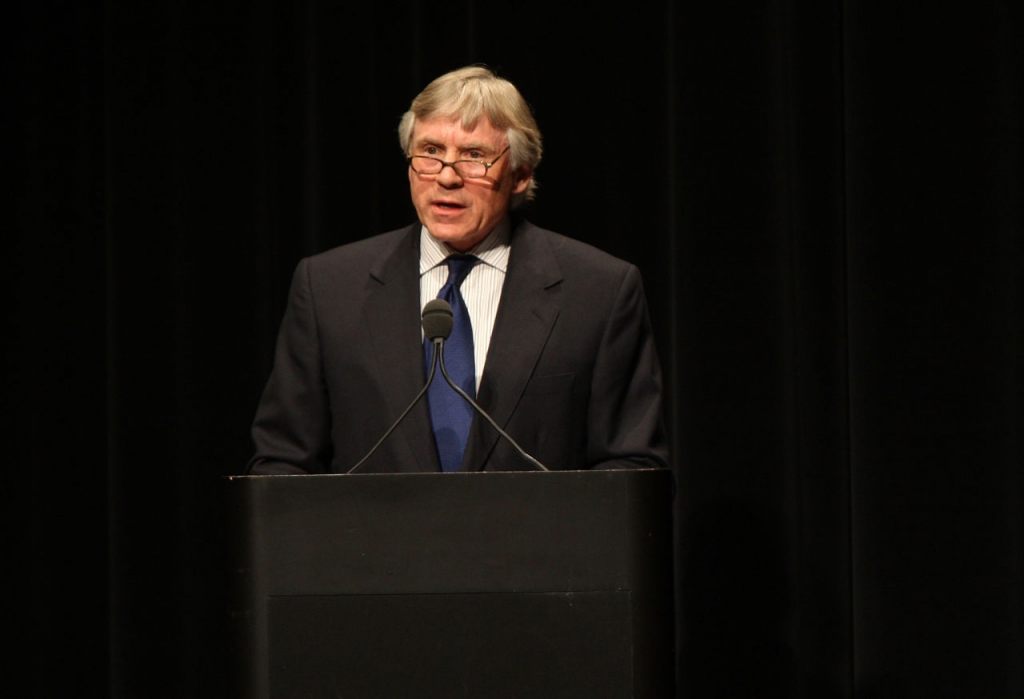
456	238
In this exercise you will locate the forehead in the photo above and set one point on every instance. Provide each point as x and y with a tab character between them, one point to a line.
451	132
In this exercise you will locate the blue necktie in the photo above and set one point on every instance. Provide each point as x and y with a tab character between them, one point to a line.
450	414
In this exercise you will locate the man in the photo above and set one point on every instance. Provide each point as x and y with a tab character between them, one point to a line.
555	339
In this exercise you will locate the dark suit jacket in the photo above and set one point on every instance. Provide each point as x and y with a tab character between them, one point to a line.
572	372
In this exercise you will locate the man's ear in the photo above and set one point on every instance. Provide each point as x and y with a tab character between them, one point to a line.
522	179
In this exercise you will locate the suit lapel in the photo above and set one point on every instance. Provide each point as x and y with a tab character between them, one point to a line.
526	315
392	316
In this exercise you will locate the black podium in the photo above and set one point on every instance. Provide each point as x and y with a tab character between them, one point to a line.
483	585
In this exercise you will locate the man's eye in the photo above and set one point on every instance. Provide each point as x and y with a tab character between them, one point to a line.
475	155
430	150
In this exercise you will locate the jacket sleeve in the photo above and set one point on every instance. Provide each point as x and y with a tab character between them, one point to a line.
625	427
291	430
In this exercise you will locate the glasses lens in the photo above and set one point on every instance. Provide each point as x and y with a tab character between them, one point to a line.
425	165
470	168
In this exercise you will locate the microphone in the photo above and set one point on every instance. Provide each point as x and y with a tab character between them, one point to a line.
437	321
442	309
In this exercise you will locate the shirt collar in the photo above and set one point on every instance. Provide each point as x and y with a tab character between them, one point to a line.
492	250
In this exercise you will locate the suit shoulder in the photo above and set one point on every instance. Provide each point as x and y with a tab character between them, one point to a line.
573	254
363	253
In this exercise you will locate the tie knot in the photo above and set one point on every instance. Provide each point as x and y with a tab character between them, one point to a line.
458	268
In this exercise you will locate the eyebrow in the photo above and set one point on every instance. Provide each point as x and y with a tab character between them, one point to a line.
462	148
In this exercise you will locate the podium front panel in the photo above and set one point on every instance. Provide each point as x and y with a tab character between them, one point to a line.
555	645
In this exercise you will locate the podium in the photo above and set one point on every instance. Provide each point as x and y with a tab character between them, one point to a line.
526	585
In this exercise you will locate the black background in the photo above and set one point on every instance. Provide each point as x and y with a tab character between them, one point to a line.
825	197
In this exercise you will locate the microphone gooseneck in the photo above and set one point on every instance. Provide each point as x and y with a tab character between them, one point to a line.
437	320
437	327
439	353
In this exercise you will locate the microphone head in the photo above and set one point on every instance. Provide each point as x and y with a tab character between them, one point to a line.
437	319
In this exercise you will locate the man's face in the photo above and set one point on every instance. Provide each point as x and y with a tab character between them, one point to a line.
462	211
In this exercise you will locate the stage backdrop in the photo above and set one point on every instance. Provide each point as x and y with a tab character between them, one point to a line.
826	199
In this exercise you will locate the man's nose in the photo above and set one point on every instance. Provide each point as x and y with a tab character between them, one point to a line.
448	177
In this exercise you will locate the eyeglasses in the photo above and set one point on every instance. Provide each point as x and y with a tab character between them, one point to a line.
470	169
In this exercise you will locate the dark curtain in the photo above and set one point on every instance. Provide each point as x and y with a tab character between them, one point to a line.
826	200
